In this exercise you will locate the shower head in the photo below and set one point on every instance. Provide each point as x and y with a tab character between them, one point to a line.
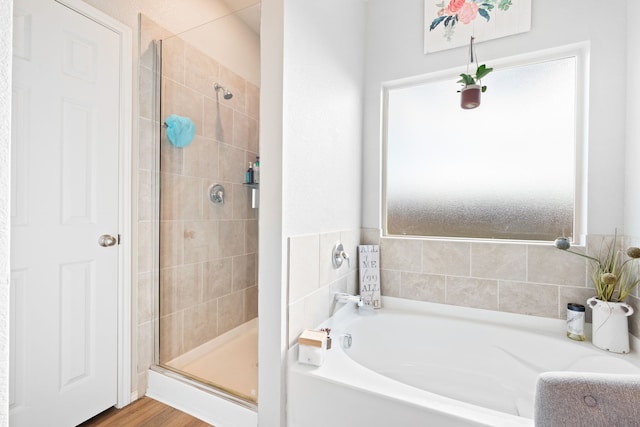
226	93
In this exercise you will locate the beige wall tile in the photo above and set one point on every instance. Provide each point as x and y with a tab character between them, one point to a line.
370	236
240	130
212	171
145	298
145	338
145	144
202	71
190	197
145	246
180	100
232	161
253	101
390	282
180	288
202	324
578	295
230	311
199	160
145	196
250	303
423	287
145	78
499	261
200	241
547	264
528	298
244	271
171	243
172	156
171	337
231	238
217	278
218	121
251	235
471	292
401	254
173	64
236	85
451	258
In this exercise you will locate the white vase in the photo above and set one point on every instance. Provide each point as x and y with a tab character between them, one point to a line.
610	325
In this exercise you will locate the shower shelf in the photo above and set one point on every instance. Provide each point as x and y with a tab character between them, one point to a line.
255	194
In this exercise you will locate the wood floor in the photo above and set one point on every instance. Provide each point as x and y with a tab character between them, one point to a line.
144	412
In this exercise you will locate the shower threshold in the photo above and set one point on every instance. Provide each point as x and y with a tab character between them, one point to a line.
203	402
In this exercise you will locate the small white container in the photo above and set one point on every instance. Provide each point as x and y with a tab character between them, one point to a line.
312	346
575	321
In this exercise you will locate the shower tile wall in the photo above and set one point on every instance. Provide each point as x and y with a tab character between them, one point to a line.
208	252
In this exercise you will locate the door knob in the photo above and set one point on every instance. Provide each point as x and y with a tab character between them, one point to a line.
107	240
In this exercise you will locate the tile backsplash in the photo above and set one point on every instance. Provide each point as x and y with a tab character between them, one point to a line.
534	279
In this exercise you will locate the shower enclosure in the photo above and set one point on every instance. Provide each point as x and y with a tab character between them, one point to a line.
207	215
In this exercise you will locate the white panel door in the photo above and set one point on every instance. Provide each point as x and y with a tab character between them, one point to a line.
64	197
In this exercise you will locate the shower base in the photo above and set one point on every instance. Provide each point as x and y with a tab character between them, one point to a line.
229	363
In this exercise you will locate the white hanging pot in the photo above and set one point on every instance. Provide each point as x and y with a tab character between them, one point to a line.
470	96
610	325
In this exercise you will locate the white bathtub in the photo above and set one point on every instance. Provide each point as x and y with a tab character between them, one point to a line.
417	364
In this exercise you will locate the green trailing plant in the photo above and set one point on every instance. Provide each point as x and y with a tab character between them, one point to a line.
469	79
614	279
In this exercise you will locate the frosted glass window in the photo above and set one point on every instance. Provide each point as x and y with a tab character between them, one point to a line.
505	170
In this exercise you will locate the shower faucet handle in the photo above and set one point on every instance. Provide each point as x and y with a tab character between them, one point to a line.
339	255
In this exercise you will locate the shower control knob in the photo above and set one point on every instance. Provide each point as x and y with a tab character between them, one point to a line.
107	240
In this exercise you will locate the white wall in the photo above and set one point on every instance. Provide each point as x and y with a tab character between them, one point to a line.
272	294
5	191
323	69
310	139
394	50
632	181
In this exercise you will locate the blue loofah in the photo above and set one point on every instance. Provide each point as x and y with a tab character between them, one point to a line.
180	130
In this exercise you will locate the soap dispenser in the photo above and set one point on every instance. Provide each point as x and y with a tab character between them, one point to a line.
256	171
249	175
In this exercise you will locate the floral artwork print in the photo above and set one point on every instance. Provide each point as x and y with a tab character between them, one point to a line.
465	11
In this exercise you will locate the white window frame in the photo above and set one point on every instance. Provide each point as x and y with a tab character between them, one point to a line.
581	52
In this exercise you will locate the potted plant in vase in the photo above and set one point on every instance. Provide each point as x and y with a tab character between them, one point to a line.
614	279
472	87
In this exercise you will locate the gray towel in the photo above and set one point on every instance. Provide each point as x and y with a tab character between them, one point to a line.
568	399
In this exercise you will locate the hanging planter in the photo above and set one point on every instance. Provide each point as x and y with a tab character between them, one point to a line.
470	96
472	84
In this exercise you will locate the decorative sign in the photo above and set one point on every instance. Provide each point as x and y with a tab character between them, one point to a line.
369	263
451	23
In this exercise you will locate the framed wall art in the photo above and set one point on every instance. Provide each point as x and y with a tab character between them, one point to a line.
451	23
